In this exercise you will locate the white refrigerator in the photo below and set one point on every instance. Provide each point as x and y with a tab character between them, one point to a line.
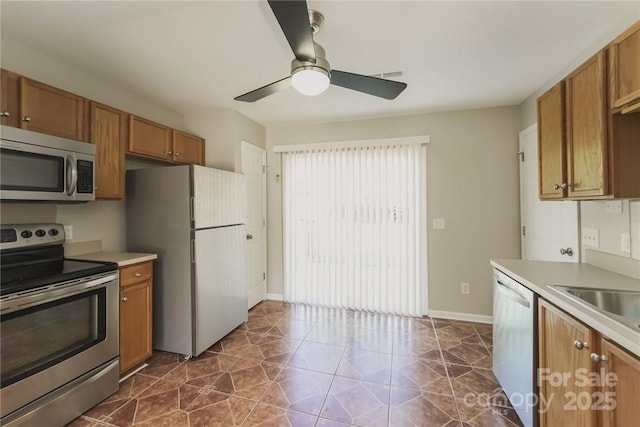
193	217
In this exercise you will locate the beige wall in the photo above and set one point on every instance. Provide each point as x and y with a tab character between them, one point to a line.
28	62
574	59
472	174
224	130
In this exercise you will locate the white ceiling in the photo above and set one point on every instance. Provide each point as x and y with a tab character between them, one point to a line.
194	56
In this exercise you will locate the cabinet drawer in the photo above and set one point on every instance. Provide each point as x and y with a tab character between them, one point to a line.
136	273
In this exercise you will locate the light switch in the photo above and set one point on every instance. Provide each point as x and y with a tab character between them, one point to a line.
590	237
625	243
438	223
613	206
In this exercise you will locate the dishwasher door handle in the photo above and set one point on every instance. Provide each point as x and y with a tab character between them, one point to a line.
511	293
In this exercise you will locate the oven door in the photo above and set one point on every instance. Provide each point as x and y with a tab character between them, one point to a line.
52	336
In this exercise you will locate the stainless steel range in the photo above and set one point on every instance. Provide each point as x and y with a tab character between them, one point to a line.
58	328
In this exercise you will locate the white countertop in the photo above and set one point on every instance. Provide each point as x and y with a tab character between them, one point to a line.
120	258
538	275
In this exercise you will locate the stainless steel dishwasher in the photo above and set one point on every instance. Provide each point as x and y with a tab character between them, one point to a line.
514	345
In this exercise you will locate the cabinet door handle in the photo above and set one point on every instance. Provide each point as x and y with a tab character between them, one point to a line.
599	358
125	299
5	114
560	186
177	154
138	274
26	119
580	344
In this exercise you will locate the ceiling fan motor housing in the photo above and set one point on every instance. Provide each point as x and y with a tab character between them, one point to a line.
321	63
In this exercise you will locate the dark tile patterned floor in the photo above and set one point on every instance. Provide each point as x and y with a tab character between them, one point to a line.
297	365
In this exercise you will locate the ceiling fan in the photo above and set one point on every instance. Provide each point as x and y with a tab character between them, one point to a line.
311	73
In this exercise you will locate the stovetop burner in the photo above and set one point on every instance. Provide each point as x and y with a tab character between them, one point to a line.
32	255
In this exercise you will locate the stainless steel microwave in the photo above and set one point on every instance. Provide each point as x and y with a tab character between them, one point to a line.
45	168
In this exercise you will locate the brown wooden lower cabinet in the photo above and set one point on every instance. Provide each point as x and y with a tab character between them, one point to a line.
584	378
623	387
135	315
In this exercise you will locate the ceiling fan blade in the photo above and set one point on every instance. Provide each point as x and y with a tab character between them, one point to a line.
267	90
375	86
293	17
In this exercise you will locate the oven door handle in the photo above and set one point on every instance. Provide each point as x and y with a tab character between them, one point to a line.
54	292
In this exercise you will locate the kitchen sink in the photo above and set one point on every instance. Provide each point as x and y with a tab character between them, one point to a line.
623	306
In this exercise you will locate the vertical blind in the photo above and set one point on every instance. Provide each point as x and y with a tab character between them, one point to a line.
355	227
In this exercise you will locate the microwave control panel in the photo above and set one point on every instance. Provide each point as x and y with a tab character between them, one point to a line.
85	177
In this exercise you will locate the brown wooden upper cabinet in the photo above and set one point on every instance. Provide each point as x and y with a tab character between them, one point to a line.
32	105
53	111
572	136
109	134
187	148
10	99
586	114
552	143
149	139
587	150
624	70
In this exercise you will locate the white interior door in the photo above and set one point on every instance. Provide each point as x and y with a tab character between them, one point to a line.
253	167
547	226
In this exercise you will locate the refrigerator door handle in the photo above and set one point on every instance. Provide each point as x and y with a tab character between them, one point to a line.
191	208
193	251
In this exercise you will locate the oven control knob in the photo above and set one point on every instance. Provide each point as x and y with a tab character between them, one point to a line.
53	232
26	234
40	233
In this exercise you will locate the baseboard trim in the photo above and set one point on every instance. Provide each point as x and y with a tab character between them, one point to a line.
275	297
134	371
466	317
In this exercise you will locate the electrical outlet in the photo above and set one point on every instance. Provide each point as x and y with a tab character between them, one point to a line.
625	243
68	232
438	223
464	288
590	237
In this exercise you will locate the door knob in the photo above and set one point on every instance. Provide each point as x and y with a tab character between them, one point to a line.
249	236
26	119
567	251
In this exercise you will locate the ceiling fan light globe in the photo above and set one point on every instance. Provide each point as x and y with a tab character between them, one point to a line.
310	81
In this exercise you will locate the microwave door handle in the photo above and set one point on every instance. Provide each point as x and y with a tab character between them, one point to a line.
72	170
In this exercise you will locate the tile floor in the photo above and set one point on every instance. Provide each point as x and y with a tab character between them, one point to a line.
296	365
